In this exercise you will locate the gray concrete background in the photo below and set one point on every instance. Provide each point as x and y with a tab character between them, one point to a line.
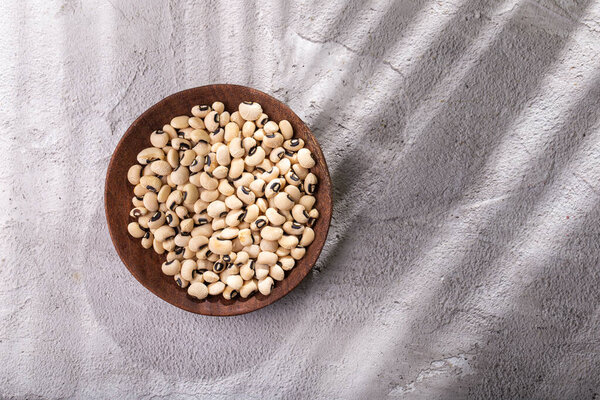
463	256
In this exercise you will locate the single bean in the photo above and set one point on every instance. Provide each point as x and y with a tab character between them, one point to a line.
258	187
218	224
180	122
147	240
198	290
156	220
276	272
245	195
293	228
229	293
286	129
250	111
255	156
196	123
299	214
158	246
229	233
288	242
138	212
171	267
150	154
266	257
163	233
252	212
135	230
224	118
218	107
219	246
284	166
265	285
170	131
217	136
262	120
248	129
268	245
211	121
152	183
217	209
216	288
283	201
298	252
261	271
248	288
282	252
151	201
247	270
201	111
134	174
237	118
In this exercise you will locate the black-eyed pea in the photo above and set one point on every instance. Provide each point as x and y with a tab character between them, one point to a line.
270	175
252	250
229	293
229	260
163	195
310	184
284	166
265	285
272	141
171	267
159	138
173	158
250	111
223	156
294	144
266	257
203	254
180	122
241	258
202	149
245	195
298	252
139	190
170	182
180	175
138	212
300	171
229	233
245	237
258	135
218	266
247	270
181	144
225	188
189	207
244	180
233	203
201	111
248	143
271	127
224	118
287	214
151	201
180	281
261	271
232	131
268	245
147	240
164	233
292	179
248	288
216	209
218	107
135	230
198	278
235	148
276	154
293	228
305	158
196	167
218	224
134	174
276	272
171	219
217	136
200	206
252	212
234	217
210	276
237	118
286	129
283	201
248	129
174	199
174	255
288	241
312	217
146	171
188	270
209	195
255	156
282	252
182	212
307	201
156	220
259	223
300	214
275	217
237	246
219	246
210	162
208	182
185	133
169	244
196	123
137	201
186	225
197	242
158	246
187	158
257	187
182	239
172	132
213	257
198	290
235	281
307	237
190	194
150	154
220	172
216	288
262	120
203	230
211	121
292	156
273	188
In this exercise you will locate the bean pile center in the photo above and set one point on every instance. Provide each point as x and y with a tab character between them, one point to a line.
228	197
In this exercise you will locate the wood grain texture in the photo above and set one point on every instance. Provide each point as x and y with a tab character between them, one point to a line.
144	264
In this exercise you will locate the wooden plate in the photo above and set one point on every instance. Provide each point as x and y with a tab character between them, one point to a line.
144	264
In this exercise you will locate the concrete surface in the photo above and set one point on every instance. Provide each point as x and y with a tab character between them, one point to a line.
463	257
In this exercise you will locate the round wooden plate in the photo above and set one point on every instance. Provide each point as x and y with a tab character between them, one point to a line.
144	264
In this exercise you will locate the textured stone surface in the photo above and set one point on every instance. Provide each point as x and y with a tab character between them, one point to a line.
463	257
